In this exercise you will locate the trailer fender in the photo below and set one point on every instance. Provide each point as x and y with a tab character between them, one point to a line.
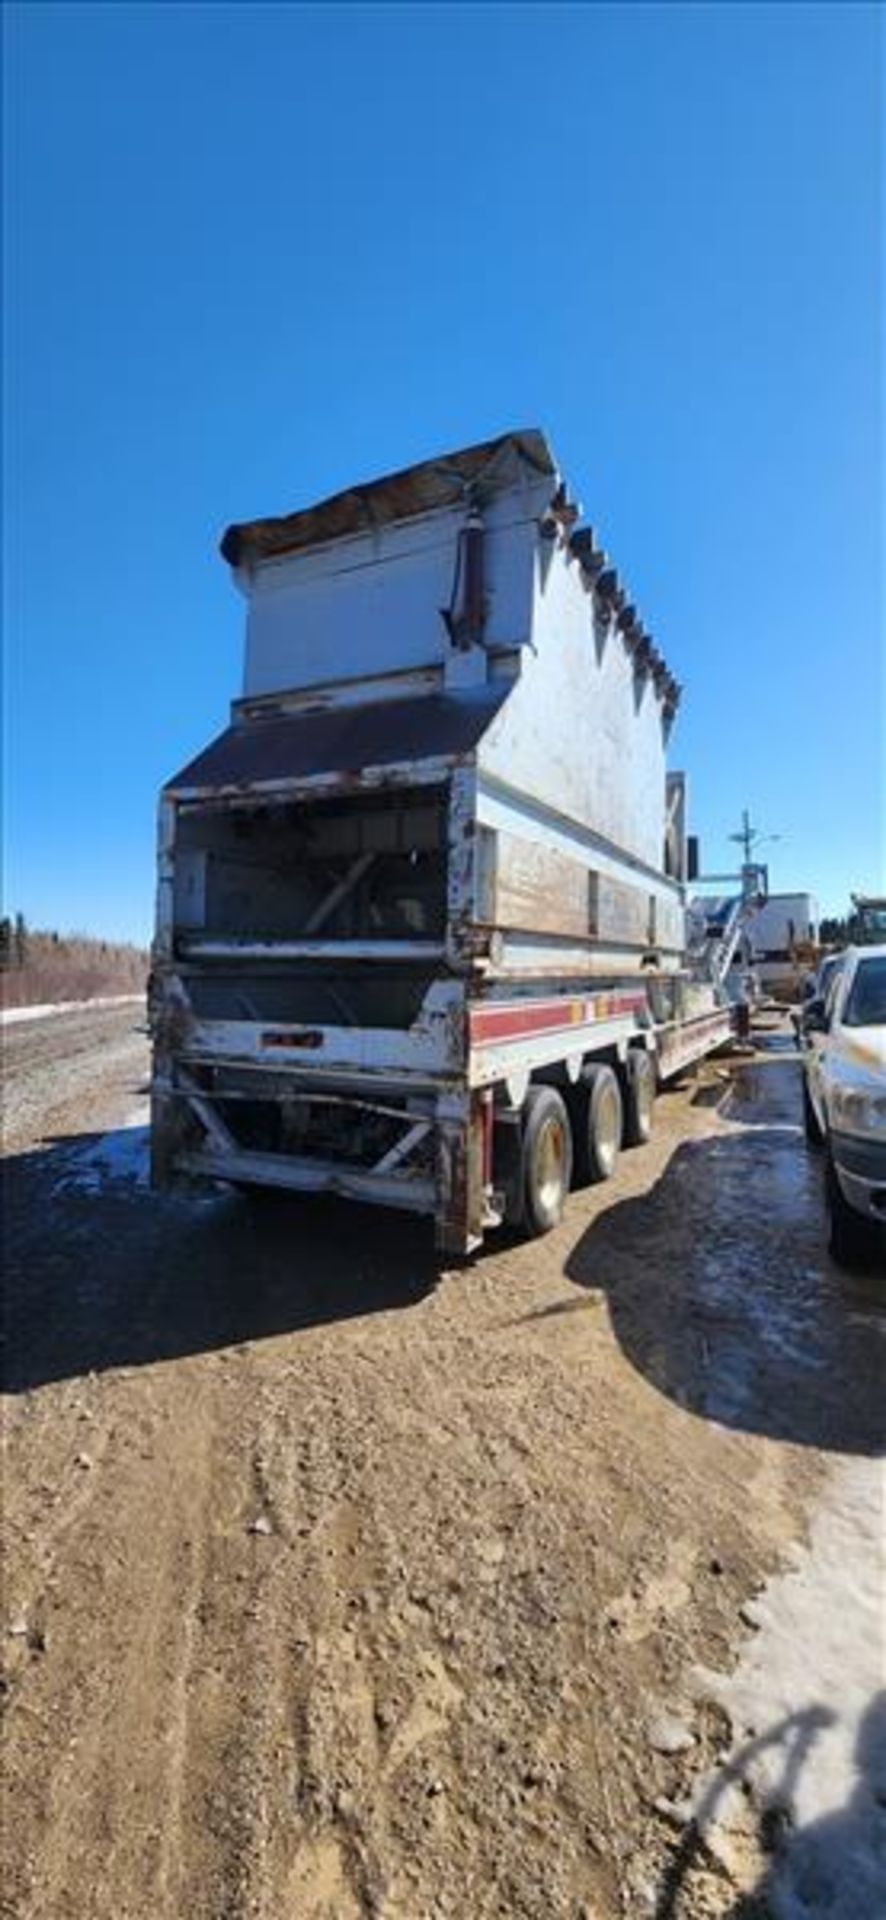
517	1086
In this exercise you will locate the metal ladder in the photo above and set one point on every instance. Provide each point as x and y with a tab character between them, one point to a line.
713	958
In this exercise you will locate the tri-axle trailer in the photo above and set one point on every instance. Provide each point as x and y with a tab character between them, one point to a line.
421	933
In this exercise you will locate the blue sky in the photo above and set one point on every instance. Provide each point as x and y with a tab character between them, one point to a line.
256	252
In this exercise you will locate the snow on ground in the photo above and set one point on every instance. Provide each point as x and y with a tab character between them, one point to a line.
120	1155
807	1704
13	1016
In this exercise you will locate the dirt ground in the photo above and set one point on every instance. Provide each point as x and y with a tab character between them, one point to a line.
336	1586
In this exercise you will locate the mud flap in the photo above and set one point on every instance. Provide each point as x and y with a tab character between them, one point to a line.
461	1184
507	1177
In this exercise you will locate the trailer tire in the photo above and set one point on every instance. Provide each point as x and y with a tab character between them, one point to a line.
547	1160
600	1137
638	1092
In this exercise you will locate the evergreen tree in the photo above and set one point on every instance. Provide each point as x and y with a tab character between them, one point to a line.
21	940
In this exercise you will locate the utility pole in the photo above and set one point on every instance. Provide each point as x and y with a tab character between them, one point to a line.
754	877
746	837
749	837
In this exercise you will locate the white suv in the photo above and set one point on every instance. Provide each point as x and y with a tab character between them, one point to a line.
844	1099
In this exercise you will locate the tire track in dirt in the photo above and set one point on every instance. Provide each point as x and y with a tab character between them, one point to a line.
114	1670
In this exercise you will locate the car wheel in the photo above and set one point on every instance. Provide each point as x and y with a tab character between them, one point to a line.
547	1160
851	1237
811	1127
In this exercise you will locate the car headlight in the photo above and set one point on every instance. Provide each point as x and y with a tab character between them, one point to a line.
855	1111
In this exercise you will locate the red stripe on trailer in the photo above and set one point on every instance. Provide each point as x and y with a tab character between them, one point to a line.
520	1018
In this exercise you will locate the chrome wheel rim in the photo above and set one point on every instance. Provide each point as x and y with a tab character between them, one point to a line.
607	1128
551	1164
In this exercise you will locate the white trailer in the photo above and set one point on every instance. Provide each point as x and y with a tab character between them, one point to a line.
784	932
421	907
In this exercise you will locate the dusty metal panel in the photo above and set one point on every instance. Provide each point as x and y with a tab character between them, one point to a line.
445	481
583	731
620	911
545	960
430	1052
599	892
502	804
539	888
434	1046
683	1043
341	741
377	605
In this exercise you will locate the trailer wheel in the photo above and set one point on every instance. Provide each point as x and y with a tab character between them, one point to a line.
547	1159
639	1098
604	1124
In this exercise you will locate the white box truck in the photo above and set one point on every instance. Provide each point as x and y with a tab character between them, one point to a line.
421	933
783	941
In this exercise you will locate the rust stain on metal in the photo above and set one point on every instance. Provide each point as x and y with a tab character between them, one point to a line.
310	1037
452	1222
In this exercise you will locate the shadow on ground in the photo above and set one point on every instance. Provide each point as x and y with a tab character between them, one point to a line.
721	1292
103	1273
832	1867
718	1284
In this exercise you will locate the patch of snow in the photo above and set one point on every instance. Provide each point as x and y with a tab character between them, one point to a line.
120	1155
12	1016
807	1704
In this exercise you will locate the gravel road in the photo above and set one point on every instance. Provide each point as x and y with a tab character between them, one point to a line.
339	1587
67	1072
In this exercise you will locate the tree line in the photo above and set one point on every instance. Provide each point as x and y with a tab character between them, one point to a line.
40	965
